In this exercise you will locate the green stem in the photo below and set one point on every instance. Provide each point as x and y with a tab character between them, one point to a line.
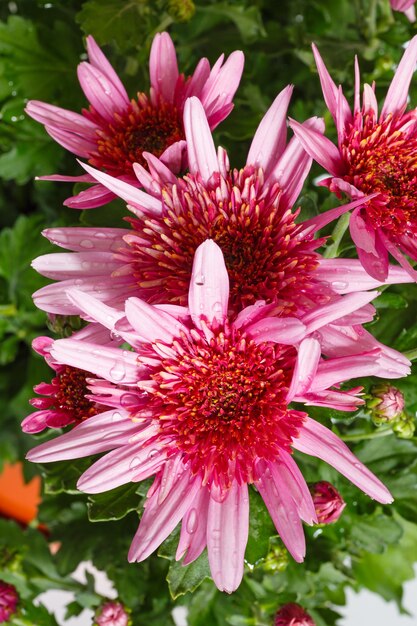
374	435
411	354
337	236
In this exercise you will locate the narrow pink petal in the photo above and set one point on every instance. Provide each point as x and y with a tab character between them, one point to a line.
132	462
223	82
159	170
361	230
159	520
202	156
308	358
335	371
370	103
270	138
81	146
227	536
319	441
38	421
396	98
284	514
152	324
96	310
101	92
330	90
60	266
84	178
197	81
340	307
100	62
392	249
175	157
344	115
315	223
299	489
319	148
348	275
411	14
285	330
376	264
208	294
82	238
96	434
54	116
95	196
163	66
341	401
117	366
127	192
194	529
357	101
96	333
293	167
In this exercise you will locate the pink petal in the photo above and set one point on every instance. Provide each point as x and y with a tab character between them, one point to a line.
227	536
81	146
194	529
208	294
396	98
62	119
94	309
60	266
335	371
392	249
82	238
222	84
163	67
375	264
175	157
284	513
319	441
152	324
96	434
308	358
316	223
340	307
117	366
362	232
84	178
348	275
330	91
357	101
95	196
297	485
270	138
101	92
202	156
369	100
196	83
159	170
159	520
285	330
100	62
319	148
39	420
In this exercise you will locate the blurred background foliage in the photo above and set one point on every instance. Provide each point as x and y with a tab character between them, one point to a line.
41	43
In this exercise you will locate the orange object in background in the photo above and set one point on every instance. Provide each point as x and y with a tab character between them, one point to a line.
19	500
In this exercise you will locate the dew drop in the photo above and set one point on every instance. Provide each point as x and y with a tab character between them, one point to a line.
200	279
86	243
217	308
118	371
135	462
152	454
78	281
339	284
117	417
192	521
128	399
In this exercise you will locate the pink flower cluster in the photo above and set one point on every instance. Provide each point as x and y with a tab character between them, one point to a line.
213	311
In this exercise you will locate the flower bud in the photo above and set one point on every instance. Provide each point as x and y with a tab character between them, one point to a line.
328	502
64	325
293	615
8	601
181	10
405	426
386	403
112	613
277	558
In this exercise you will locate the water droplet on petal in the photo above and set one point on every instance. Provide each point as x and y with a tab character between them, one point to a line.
117	417
152	454
117	371
339	285
135	462
200	279
86	243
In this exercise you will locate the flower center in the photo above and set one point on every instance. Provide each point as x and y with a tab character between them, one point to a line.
265	257
222	403
383	157
144	127
71	391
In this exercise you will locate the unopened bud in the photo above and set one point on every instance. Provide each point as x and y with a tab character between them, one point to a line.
293	615
112	613
8	601
405	426
64	325
277	558
328	502
385	404
181	10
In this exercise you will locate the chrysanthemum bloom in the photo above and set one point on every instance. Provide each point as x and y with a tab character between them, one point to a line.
114	131
202	403
8	601
111	614
64	399
293	615
248	213
374	154
385	403
406	7
328	502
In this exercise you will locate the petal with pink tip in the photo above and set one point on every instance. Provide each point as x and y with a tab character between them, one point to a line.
319	148
82	238
340	307
305	369
284	513
270	138
39	420
396	98
335	371
285	330
81	146
94	309
227	536
315	223
159	520
60	266
163	66
175	156
208	294
62	119
375	264
152	324
330	91
95	196
202	156
159	170
194	529
100	62
370	103
392	249
101	92
223	82
317	440
196	83
300	492
348	275
117	366
362	232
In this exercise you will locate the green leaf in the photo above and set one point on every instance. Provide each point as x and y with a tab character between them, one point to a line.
182	579
374	533
261	528
113	504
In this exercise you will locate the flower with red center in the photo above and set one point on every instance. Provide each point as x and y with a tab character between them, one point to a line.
114	132
202	402
293	615
112	614
406	7
328	502
8	601
374	154
248	213
65	398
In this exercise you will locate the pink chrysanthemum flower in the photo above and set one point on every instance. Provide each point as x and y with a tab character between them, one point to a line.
247	212
115	131
293	615
202	403
405	6
374	154
111	614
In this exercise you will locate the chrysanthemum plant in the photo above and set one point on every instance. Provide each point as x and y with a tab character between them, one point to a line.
223	401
